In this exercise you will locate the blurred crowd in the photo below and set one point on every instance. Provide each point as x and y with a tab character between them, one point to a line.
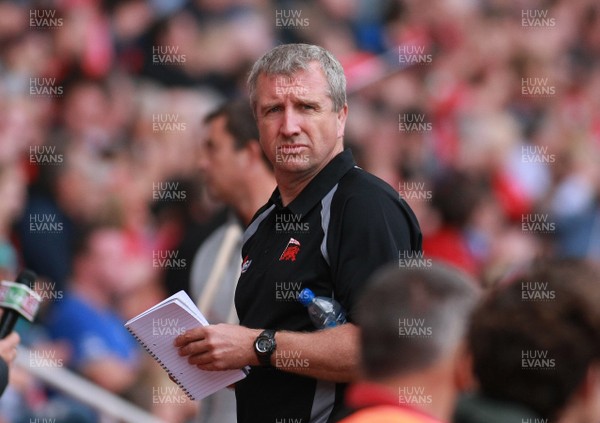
484	114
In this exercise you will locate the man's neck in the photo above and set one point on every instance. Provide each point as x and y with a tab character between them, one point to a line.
290	186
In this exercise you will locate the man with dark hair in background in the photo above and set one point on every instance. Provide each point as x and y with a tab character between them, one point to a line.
536	348
237	173
412	323
327	226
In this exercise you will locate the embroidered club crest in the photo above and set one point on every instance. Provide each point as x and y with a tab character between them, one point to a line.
246	264
291	250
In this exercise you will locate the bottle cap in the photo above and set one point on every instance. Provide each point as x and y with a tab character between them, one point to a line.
306	296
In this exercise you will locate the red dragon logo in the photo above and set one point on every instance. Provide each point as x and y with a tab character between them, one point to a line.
291	250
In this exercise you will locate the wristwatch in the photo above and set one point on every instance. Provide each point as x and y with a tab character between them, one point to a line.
264	346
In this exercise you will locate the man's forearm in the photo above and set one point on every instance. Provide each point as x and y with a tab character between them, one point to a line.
330	354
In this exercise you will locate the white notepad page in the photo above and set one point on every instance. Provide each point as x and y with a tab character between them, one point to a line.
157	328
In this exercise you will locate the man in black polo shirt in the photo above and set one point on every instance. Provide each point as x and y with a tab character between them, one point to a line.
327	227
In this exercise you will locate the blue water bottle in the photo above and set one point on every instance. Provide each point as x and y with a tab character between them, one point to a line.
323	312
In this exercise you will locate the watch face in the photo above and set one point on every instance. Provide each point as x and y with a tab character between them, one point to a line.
263	345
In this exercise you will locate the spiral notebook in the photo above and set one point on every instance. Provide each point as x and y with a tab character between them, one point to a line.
156	330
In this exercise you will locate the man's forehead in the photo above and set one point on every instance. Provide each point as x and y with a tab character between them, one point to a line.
300	84
313	73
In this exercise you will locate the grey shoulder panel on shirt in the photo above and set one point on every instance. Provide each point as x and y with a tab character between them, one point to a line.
325	218
253	227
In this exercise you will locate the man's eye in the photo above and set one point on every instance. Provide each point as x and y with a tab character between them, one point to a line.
274	109
308	107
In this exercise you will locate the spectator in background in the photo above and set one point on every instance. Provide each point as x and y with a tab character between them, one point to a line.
100	347
413	357
454	199
63	198
535	344
237	173
12	201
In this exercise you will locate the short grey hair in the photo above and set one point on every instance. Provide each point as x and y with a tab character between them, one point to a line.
287	59
440	297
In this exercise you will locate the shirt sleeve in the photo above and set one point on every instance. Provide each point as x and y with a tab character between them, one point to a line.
371	232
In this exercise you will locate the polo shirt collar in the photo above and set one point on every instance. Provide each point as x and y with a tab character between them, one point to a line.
319	186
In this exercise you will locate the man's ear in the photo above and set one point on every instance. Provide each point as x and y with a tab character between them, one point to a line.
341	121
254	150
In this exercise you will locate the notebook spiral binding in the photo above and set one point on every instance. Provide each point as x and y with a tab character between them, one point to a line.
171	375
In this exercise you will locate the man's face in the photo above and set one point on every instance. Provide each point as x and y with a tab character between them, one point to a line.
299	130
221	164
106	258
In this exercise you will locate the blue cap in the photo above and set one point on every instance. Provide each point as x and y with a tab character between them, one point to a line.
306	296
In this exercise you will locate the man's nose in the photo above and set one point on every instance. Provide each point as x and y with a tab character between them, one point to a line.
290	126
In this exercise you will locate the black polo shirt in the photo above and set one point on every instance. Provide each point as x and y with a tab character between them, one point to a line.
345	224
